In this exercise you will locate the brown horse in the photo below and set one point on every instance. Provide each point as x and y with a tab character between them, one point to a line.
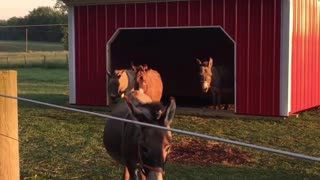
143	82
149	82
219	79
142	150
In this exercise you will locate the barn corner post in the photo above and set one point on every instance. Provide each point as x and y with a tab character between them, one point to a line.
9	145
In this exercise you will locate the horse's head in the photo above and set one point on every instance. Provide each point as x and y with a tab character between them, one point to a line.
118	83
153	144
205	73
142	77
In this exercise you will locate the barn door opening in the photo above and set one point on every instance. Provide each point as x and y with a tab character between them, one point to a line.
173	52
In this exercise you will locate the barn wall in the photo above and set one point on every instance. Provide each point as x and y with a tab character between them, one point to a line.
305	55
253	24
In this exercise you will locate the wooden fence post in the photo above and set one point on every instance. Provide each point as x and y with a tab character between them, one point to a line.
44	59
9	145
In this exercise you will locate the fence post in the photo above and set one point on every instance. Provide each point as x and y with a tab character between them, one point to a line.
9	145
7	61
44	60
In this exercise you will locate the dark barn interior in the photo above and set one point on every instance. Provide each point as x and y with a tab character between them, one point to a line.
173	53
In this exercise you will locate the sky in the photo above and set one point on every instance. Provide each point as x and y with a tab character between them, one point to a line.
20	8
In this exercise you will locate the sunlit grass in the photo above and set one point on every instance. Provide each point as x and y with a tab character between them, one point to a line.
58	144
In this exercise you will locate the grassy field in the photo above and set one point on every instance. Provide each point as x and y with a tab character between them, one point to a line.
56	144
48	59
20	46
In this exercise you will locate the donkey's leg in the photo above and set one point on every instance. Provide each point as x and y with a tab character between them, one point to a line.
132	172
218	92
214	98
126	175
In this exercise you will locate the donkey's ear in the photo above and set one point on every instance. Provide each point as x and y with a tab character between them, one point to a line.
118	72
198	60
132	107
210	62
134	68
145	67
109	74
170	112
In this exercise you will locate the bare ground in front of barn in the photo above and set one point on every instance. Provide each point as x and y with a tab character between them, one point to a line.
57	144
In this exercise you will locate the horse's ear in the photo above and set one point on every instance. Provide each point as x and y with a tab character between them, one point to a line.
170	112
210	62
141	68
198	60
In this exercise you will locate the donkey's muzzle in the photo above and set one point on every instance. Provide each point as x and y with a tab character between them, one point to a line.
205	87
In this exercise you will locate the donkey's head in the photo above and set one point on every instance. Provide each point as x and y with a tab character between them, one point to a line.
205	72
153	144
118	83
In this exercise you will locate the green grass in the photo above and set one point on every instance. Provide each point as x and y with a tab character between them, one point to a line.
20	46
55	59
58	144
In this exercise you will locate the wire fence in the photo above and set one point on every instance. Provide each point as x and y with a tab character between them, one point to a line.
29	38
203	136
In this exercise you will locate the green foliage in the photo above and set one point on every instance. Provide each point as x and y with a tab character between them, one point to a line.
38	16
61	6
64	39
58	144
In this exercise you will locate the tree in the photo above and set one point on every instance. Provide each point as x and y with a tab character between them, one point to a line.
38	16
46	15
13	33
62	7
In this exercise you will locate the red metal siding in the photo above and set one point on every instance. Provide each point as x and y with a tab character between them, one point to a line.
305	55
253	24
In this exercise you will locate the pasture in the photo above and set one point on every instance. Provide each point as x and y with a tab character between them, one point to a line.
48	59
20	46
57	144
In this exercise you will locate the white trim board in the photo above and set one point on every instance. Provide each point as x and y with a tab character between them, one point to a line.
72	62
286	56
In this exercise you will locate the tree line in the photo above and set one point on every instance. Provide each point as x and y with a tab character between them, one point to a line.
38	16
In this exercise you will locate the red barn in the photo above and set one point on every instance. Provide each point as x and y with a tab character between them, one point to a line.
273	46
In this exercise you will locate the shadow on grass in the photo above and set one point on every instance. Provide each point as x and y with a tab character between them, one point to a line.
49	113
56	99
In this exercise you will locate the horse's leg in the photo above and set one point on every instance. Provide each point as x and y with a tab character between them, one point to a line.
126	175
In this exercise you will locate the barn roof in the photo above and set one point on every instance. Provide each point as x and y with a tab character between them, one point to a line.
90	2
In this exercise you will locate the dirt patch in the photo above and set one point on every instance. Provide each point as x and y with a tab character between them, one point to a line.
203	154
